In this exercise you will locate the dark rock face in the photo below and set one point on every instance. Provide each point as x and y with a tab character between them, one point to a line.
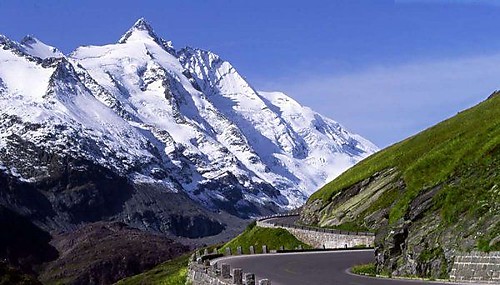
73	192
12	275
415	249
76	192
103	253
234	203
23	244
419	244
194	226
70	191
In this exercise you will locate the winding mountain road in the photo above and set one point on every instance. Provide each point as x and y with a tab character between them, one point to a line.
312	268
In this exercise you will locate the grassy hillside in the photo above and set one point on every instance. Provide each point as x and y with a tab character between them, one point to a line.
471	139
257	236
172	272
432	192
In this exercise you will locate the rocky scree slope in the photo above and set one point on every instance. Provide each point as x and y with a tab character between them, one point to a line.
427	198
103	253
96	253
156	137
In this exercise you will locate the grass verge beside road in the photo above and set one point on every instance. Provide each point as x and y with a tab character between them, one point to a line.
257	236
369	269
172	272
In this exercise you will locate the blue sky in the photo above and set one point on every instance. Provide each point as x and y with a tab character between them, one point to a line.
384	69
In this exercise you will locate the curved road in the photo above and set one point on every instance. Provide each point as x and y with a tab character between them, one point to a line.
311	268
287	220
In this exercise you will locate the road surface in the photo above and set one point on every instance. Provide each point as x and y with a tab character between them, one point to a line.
312	268
287	220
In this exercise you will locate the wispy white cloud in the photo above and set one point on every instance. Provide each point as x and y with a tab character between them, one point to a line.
389	103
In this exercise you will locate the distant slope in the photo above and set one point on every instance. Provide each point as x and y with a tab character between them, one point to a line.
427	197
23	248
103	253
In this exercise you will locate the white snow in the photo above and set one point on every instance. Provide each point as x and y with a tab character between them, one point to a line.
23	78
188	113
35	47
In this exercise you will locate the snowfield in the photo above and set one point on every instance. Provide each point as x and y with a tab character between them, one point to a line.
184	120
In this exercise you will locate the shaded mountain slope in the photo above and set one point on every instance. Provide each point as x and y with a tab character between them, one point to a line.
103	253
23	244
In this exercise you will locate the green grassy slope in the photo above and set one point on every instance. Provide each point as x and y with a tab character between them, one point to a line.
427	197
172	272
257	236
466	146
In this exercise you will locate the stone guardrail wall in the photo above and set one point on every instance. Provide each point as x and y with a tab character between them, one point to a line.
204	273
476	267
321	238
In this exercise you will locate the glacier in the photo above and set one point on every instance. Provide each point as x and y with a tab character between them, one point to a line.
178	120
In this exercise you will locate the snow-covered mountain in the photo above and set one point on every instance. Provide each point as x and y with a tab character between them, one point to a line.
176	120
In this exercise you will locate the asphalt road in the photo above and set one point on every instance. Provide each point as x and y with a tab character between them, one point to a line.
311	268
289	220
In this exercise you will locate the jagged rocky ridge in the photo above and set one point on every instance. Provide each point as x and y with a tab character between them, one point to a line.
154	136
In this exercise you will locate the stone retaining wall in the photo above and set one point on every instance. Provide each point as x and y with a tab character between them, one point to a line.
476	267
323	238
199	275
216	273
328	240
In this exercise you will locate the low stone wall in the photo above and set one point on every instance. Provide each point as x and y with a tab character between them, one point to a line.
476	267
323	238
329	240
215	273
200	275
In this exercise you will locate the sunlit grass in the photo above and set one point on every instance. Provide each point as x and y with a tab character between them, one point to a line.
369	269
257	236
172	272
461	154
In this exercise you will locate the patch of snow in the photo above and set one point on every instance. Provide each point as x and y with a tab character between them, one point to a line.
35	47
16	71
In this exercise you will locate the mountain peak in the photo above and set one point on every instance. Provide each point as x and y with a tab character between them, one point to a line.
141	30
4	39
35	47
143	25
29	39
8	44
